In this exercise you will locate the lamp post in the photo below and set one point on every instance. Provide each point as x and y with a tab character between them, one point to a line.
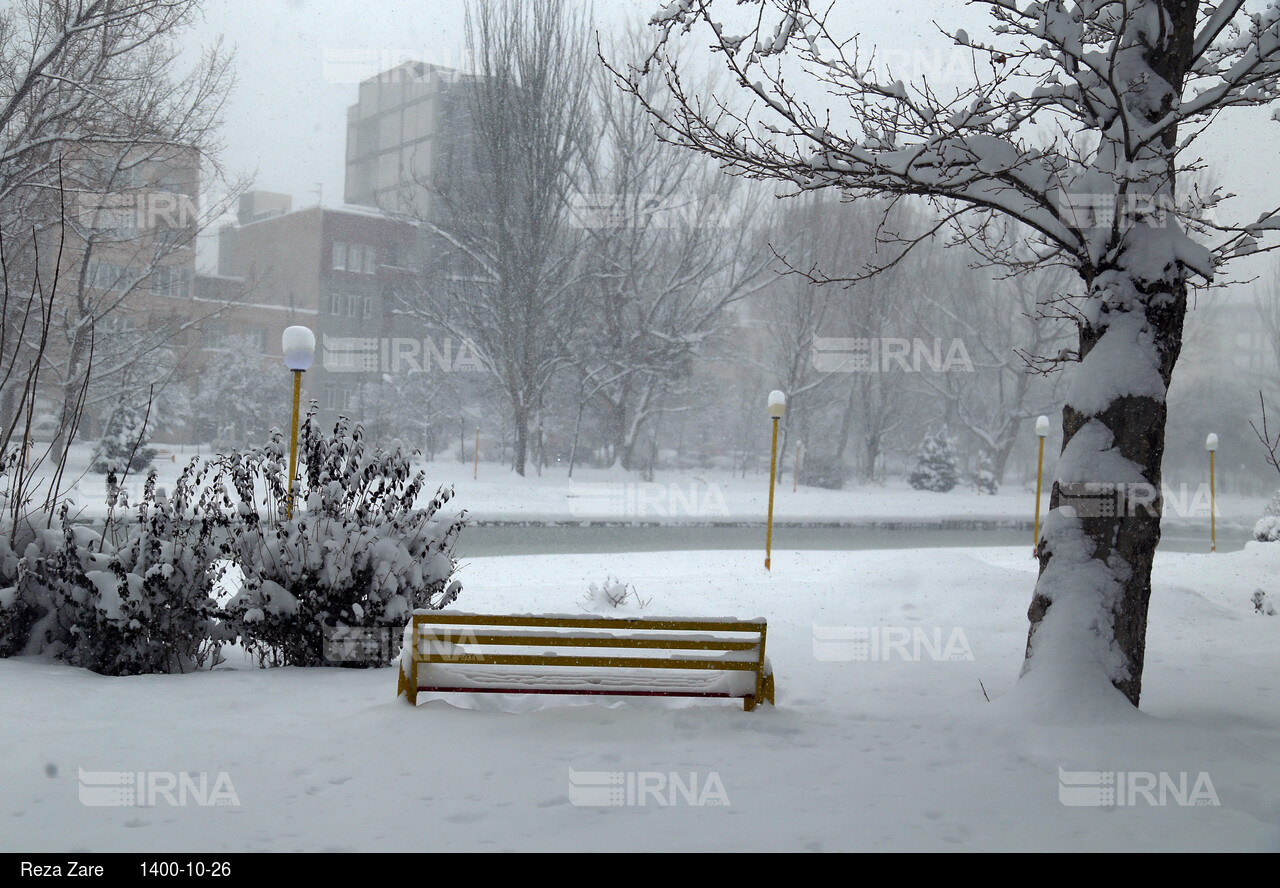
777	407
1042	430
1211	445
299	345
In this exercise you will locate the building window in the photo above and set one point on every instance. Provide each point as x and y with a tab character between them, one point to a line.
171	280
214	334
370	260
119	324
336	303
110	276
355	255
339	256
173	238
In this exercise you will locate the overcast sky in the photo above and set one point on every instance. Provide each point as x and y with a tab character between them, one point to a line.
298	63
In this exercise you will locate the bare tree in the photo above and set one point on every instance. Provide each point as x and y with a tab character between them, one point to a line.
132	239
508	267
89	108
1123	88
671	244
1001	321
830	324
1267	303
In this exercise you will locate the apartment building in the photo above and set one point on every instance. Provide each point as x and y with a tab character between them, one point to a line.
409	140
341	271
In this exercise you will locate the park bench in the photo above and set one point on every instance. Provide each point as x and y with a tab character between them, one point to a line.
449	651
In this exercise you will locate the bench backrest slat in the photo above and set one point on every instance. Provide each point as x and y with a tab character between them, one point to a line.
617	662
656	643
574	622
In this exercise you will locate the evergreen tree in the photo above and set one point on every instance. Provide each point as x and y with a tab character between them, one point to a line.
935	464
985	480
123	443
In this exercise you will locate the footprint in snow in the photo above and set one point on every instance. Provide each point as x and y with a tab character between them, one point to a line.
465	818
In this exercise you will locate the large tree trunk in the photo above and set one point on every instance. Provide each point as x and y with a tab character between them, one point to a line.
1090	605
521	419
999	454
72	385
1095	568
846	423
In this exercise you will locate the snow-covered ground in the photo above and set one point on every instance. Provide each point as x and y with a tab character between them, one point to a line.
717	496
882	746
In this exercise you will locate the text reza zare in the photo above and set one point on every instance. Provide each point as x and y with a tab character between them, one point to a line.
56	870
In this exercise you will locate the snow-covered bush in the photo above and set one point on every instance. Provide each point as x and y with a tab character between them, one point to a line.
17	612
935	467
828	473
984	481
1267	530
613	596
123	445
136	599
1262	604
356	552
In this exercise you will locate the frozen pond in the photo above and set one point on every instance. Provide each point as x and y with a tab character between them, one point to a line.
522	539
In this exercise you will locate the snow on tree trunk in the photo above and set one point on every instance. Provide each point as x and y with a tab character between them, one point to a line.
1089	611
1090	605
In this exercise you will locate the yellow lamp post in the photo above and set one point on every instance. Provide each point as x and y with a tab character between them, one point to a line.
299	345
777	408
1211	445
1042	431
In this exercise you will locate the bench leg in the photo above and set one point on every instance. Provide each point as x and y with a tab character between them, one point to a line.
408	685
764	692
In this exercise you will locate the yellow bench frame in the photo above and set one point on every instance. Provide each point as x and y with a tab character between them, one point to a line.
615	638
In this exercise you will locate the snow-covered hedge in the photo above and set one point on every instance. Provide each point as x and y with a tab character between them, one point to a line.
1267	530
17	613
355	554
137	598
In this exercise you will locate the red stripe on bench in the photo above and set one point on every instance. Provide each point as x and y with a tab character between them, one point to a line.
580	693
